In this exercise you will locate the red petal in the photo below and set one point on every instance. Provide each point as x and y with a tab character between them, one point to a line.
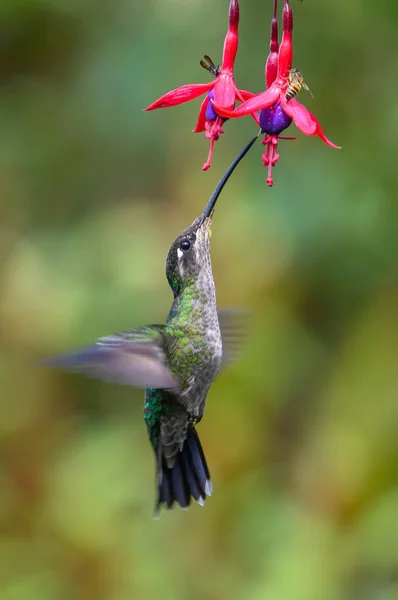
319	133
243	95
258	102
223	112
224	91
300	115
305	121
181	95
200	125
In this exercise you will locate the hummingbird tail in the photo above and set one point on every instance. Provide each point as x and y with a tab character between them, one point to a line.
188	478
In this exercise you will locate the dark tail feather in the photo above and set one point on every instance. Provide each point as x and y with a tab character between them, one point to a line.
188	478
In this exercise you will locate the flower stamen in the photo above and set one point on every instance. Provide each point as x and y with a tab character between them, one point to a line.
213	131
270	156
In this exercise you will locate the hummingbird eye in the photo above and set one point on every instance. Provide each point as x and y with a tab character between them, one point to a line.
185	245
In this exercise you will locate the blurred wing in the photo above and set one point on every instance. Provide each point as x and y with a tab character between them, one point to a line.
234	326
133	358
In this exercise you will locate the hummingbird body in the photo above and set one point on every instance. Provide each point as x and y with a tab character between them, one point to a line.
195	346
193	353
176	362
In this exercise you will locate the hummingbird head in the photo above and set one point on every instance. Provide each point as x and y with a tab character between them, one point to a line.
189	255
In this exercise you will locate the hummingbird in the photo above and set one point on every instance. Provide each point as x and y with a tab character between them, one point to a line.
175	362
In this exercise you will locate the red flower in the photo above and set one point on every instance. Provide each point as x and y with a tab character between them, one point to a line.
277	111
222	90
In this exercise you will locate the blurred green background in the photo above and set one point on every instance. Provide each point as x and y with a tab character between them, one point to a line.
301	434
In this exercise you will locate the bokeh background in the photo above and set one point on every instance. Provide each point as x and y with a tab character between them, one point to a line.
301	434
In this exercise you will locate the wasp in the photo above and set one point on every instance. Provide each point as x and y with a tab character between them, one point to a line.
210	66
295	81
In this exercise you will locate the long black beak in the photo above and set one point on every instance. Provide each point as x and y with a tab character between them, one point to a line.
214	197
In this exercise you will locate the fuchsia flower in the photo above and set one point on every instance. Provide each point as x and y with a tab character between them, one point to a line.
276	111
222	90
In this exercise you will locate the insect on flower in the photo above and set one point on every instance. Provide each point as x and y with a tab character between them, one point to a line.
296	82
222	90
277	105
209	65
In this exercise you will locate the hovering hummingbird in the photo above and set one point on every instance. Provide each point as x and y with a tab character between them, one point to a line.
175	362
